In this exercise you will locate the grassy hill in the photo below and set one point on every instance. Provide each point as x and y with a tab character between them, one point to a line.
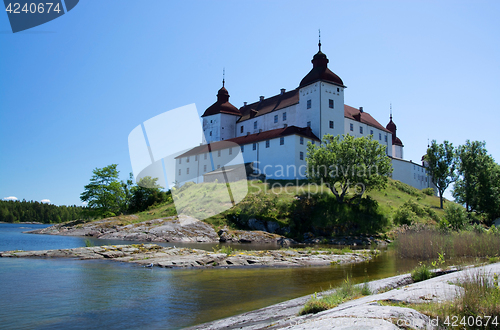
300	208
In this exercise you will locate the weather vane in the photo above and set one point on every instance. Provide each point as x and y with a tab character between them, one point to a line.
319	43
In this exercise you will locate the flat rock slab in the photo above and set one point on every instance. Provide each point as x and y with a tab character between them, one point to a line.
171	257
181	228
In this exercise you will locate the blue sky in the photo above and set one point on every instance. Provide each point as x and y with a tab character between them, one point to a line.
71	90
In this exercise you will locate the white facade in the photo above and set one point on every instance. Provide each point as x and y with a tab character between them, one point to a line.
411	173
318	103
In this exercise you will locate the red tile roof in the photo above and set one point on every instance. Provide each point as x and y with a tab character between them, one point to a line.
363	117
273	103
251	138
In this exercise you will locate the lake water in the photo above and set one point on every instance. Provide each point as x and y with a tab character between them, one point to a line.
81	294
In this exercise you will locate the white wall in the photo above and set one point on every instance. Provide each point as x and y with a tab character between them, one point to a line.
411	173
378	134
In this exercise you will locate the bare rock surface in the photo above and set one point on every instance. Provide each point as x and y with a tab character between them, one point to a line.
362	313
170	229
171	257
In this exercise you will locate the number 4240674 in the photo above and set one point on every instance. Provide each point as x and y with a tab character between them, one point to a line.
33	8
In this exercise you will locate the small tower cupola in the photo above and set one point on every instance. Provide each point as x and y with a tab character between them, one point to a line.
392	128
320	71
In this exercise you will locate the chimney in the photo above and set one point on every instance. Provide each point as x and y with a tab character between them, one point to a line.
244	104
283	91
361	109
261	98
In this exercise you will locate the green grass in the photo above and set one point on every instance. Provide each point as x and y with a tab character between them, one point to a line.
296	207
347	291
421	273
478	298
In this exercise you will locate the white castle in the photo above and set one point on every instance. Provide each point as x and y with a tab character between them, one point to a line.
272	133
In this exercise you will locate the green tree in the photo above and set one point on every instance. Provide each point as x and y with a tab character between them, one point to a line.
478	187
146	193
441	164
104	194
344	162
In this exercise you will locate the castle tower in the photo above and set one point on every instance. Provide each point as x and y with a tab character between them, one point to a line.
321	98
397	145
219	120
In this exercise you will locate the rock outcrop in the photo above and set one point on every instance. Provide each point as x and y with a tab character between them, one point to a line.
170	229
171	257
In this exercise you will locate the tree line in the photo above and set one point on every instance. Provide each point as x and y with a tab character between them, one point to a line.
23	211
475	174
107	196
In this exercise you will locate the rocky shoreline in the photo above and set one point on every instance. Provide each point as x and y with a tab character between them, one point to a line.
184	228
368	312
153	255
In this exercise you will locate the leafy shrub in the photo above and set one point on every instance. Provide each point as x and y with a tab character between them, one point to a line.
421	273
428	191
404	216
456	217
406	188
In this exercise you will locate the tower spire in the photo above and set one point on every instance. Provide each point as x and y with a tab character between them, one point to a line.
391	110
223	76
319	43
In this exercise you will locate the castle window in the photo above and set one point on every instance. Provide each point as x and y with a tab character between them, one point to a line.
308	104
195	158
351	126
338	89
242	148
301	156
205	156
275	118
218	153
282	140
179	171
230	151
254	125
308	124
210	121
330	103
254	146
360	130
301	140
380	136
204	168
371	132
284	115
241	129
386	138
331	124
180	160
187	159
267	144
187	170
313	142
210	133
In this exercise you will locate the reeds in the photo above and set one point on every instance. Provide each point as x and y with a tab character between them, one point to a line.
428	244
